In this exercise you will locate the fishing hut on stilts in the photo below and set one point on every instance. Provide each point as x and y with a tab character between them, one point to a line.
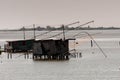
51	49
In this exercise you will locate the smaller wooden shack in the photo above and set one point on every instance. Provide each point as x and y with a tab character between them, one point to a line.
51	49
19	45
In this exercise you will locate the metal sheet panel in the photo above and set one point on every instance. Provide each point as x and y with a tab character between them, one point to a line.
37	48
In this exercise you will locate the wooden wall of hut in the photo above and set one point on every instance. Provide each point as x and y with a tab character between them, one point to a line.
51	49
19	45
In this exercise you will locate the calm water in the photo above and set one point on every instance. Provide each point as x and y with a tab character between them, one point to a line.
92	66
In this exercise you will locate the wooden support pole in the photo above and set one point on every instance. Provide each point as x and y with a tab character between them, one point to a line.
34	31
91	43
80	54
8	56
0	50
11	55
63	32
25	55
24	32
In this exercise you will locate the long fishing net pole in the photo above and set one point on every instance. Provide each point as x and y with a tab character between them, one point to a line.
43	33
85	24
69	30
54	30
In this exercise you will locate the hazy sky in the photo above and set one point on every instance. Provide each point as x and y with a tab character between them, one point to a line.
18	13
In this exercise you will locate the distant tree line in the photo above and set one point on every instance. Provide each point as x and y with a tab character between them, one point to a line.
39	28
48	28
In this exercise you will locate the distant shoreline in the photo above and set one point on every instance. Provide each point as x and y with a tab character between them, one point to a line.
26	29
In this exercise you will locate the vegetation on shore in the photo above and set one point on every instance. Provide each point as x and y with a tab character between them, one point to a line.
61	28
